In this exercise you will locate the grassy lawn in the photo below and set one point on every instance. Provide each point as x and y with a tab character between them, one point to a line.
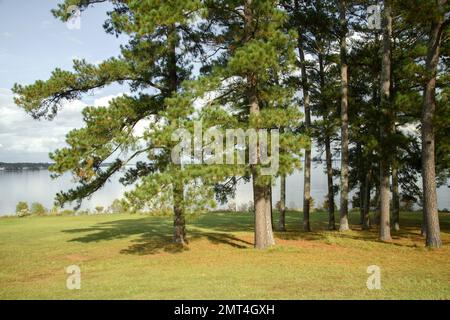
130	257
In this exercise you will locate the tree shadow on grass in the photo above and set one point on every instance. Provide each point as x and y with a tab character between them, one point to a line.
154	235
145	245
406	232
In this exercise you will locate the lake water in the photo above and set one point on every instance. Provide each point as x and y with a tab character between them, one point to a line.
37	186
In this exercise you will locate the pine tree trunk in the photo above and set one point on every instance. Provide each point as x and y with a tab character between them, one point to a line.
282	221
179	224
376	219
306	105
395	197
367	188
433	237
260	215
395	162
386	108
271	208
361	177
307	192
423	229
328	154
329	160
263	225
344	226
269	217
385	227
361	202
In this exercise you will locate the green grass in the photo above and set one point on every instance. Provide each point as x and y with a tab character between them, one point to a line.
131	257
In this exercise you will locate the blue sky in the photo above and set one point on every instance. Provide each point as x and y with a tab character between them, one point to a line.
32	44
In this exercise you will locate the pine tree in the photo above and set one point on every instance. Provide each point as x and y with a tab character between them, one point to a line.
307	107
343	225
152	63
249	75
438	25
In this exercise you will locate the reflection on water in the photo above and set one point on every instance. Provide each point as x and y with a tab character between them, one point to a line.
37	186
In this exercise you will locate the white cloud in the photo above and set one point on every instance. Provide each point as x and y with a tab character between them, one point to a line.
23	138
7	34
104	101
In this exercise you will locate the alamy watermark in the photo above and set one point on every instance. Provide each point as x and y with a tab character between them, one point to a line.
374	17
73	281
374	280
74	21
214	146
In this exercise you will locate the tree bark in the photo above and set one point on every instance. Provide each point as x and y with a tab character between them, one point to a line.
282	221
306	105
361	202
385	227
328	155
344	226
376	219
361	177
395	197
386	108
271	208
367	188
269	217
179	224
263	225
433	238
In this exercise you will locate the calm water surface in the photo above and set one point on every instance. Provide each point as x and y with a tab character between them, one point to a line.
37	186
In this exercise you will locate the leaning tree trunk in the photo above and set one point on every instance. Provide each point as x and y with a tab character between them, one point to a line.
282	221
263	225
385	227
343	226
433	237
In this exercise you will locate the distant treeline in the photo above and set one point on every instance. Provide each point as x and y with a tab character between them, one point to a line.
18	166
23	166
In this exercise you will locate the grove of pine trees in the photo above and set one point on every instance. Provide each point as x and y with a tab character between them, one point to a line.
334	77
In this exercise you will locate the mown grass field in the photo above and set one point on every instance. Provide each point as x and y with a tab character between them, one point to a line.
130	257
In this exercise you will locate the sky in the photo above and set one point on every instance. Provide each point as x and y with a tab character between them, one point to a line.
32	44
